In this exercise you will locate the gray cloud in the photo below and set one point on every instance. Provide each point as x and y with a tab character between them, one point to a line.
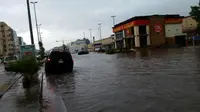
68	19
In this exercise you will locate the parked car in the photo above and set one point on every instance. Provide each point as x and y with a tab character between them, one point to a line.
59	61
8	60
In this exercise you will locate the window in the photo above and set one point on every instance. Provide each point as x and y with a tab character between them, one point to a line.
176	29
10	58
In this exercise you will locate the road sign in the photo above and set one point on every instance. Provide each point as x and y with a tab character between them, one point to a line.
158	27
27	50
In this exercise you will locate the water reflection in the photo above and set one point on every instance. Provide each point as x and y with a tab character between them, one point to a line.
28	97
146	80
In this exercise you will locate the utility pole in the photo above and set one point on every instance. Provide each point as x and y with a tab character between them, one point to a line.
100	35
83	34
36	20
30	22
91	35
100	31
113	20
113	17
40	33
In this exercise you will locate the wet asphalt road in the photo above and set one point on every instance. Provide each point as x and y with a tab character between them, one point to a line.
143	81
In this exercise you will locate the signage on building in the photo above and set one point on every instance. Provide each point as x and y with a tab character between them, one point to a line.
27	50
158	27
173	20
128	32
130	24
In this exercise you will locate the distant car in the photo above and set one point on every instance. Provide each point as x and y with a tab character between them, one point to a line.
59	61
8	60
83	52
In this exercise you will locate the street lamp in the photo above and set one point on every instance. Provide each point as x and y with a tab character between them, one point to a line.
100	30
40	33
30	22
36	19
113	20
90	34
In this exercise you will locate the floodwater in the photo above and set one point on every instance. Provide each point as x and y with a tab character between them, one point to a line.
158	80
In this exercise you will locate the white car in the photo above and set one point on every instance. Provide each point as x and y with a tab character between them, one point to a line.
7	61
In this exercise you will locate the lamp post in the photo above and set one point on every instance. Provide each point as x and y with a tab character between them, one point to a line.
100	30
40	33
36	20
90	34
113	20
30	22
100	35
113	17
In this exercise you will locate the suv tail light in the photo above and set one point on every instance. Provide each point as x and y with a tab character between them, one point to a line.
48	59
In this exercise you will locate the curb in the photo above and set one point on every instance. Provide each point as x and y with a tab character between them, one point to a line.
41	92
2	93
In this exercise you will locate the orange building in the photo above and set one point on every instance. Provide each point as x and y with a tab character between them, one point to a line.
143	31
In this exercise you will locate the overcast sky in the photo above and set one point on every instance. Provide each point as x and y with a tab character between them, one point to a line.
68	19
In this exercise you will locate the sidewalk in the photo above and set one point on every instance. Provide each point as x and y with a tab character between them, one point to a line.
17	99
6	80
52	101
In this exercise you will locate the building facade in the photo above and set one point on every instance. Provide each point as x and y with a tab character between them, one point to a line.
189	26
106	43
18	43
7	39
79	45
144	31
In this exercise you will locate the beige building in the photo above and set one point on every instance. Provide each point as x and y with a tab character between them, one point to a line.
189	26
7	44
106	43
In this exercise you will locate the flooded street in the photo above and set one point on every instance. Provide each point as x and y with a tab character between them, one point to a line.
143	81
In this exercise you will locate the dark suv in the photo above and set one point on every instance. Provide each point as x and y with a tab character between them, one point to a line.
59	61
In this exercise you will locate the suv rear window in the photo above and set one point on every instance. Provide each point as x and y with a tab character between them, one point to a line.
60	55
10	58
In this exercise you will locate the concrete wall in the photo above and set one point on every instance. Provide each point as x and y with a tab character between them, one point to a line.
171	30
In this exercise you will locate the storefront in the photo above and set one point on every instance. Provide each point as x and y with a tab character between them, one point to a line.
145	31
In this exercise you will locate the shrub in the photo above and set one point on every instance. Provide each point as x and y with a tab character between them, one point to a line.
28	67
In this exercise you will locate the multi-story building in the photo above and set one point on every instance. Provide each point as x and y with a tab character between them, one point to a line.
153	31
18	43
7	39
24	43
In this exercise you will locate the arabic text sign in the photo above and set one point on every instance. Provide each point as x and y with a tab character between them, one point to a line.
27	50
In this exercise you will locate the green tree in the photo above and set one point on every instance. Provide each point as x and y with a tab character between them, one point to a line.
195	13
42	50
